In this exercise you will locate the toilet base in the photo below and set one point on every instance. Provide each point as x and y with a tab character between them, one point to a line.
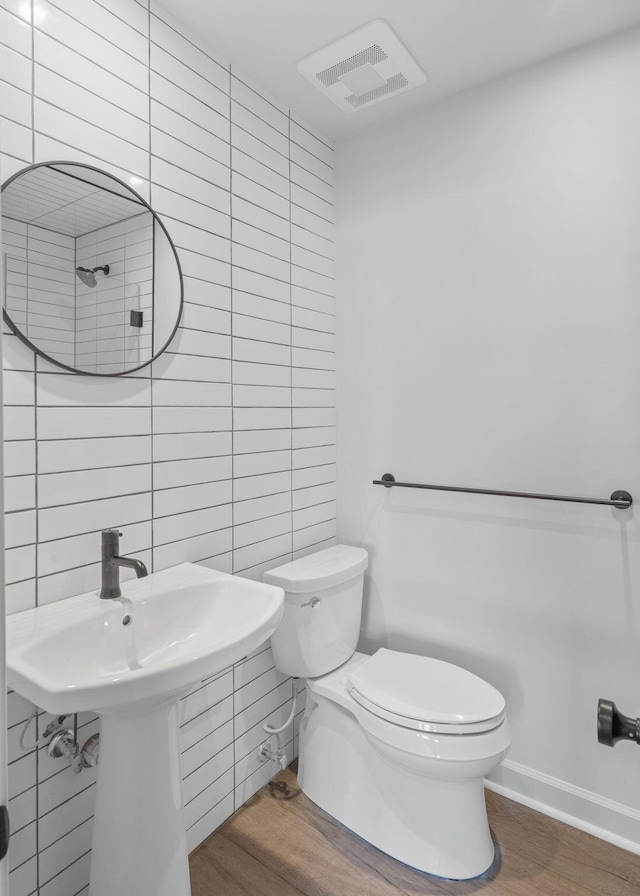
437	824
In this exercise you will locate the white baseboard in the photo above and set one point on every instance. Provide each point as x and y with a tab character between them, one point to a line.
611	821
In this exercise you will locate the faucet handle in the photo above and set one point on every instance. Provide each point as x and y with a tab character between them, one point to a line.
110	543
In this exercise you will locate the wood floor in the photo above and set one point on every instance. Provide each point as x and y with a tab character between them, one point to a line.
281	844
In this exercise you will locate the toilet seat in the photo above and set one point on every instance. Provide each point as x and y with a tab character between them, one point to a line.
425	694
444	748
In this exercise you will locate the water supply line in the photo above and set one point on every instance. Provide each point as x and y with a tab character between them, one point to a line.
265	750
51	728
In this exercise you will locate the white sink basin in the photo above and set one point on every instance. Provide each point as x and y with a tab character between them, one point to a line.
186	623
131	659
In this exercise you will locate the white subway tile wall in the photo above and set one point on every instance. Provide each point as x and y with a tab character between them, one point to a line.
222	452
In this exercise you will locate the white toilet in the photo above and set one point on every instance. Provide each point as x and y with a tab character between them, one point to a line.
394	746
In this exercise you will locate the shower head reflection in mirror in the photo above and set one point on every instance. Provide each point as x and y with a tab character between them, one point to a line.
83	253
88	276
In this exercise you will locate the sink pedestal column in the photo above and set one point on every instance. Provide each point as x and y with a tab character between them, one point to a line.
139	837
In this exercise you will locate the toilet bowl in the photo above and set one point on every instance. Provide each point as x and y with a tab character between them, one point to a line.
395	746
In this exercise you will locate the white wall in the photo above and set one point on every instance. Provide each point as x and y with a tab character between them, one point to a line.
224	451
488	330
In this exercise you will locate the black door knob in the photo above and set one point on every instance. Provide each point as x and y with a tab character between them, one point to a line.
613	726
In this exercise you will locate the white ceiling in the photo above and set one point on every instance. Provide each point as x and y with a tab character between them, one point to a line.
71	199
458	43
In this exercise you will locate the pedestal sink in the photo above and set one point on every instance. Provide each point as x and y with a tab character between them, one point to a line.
131	660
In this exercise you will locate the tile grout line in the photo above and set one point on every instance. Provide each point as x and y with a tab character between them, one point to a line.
152	365
291	438
233	418
36	467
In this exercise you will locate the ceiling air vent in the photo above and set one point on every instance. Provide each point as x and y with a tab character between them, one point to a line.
365	67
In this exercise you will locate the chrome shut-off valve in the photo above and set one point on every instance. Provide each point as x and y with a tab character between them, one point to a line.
64	745
267	753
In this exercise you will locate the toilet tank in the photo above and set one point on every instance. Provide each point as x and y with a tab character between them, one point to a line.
322	608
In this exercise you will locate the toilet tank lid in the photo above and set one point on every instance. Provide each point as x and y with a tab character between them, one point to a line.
324	569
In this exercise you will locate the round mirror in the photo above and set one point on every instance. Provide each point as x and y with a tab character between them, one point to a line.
92	280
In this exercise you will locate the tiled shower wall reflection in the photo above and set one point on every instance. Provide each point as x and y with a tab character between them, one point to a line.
224	452
104	339
39	273
90	327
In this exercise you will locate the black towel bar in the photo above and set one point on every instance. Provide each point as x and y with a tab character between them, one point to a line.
620	498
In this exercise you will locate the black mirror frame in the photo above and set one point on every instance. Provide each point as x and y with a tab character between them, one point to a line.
16	330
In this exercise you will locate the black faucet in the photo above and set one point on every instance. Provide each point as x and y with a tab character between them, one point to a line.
111	561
